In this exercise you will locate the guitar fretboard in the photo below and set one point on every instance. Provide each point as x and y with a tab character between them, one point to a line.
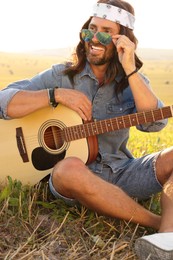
116	123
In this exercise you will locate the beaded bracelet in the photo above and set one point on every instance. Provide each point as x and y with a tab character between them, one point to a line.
133	72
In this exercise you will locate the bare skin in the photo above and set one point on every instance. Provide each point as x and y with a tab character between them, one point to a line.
95	193
164	171
84	186
98	195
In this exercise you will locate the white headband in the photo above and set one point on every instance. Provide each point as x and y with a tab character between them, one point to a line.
114	14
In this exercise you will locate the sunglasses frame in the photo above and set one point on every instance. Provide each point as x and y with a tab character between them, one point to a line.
103	37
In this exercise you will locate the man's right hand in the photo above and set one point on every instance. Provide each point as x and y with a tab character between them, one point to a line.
75	100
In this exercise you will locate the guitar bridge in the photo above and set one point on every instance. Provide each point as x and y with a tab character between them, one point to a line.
21	144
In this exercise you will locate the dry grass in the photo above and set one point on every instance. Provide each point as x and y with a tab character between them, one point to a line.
36	226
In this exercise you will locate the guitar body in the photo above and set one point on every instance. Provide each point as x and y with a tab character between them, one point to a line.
31	146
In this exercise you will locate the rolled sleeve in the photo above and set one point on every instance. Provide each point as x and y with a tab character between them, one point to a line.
47	79
7	94
154	126
5	97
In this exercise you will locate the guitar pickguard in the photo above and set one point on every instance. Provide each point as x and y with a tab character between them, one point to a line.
43	160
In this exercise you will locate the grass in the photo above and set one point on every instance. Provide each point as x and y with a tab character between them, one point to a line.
33	225
36	226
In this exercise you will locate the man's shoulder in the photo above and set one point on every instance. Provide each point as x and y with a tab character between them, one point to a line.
60	67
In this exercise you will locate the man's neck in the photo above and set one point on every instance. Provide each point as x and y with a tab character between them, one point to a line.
99	71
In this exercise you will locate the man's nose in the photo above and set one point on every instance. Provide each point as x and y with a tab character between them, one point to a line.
95	39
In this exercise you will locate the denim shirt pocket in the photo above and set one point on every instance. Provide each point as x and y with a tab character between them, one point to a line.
119	109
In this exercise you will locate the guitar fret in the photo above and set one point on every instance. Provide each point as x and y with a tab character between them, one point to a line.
77	132
87	129
118	127
120	123
97	126
109	125
127	121
71	134
171	110
94	128
161	113
106	128
112	127
135	119
158	114
166	112
147	116
83	133
101	128
117	123
144	115
152	113
123	121
141	118
97	129
66	134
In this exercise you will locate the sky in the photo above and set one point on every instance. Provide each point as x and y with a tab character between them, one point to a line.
27	25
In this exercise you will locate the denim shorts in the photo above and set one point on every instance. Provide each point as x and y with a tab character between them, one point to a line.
136	176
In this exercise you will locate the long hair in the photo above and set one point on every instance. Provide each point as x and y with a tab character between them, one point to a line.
79	57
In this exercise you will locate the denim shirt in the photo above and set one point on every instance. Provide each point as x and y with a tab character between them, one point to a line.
112	145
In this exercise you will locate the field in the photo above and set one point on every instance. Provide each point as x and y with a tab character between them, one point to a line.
33	225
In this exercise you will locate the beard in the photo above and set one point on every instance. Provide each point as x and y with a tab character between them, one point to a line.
99	60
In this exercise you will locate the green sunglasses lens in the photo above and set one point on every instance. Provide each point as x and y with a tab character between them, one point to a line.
104	38
87	35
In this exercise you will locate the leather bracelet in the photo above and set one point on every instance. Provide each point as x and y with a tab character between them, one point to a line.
51	95
133	72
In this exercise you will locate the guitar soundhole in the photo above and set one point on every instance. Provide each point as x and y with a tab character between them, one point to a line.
52	138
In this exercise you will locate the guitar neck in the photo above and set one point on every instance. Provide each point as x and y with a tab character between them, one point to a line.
116	123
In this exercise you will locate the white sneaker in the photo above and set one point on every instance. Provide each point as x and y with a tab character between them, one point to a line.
158	246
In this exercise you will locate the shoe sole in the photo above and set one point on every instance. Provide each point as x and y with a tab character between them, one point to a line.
147	251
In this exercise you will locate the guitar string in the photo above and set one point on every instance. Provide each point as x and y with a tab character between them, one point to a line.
96	127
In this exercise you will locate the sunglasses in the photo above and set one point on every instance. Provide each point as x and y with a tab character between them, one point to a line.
102	37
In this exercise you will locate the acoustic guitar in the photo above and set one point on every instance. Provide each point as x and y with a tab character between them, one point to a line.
32	145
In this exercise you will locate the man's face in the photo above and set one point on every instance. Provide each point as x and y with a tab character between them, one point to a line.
97	53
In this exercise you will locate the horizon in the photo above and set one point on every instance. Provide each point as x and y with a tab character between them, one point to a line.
36	51
25	26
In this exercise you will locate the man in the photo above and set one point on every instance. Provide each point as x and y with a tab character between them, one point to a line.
102	83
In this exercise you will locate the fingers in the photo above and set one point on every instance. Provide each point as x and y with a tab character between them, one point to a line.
82	105
84	114
126	51
84	109
123	42
75	100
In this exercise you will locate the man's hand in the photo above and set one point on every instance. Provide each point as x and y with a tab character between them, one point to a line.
75	100
126	52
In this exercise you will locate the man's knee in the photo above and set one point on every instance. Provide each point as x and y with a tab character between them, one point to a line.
67	166
164	165
67	174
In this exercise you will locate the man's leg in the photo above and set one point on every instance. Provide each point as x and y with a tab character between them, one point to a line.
164	170
160	246
71	178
